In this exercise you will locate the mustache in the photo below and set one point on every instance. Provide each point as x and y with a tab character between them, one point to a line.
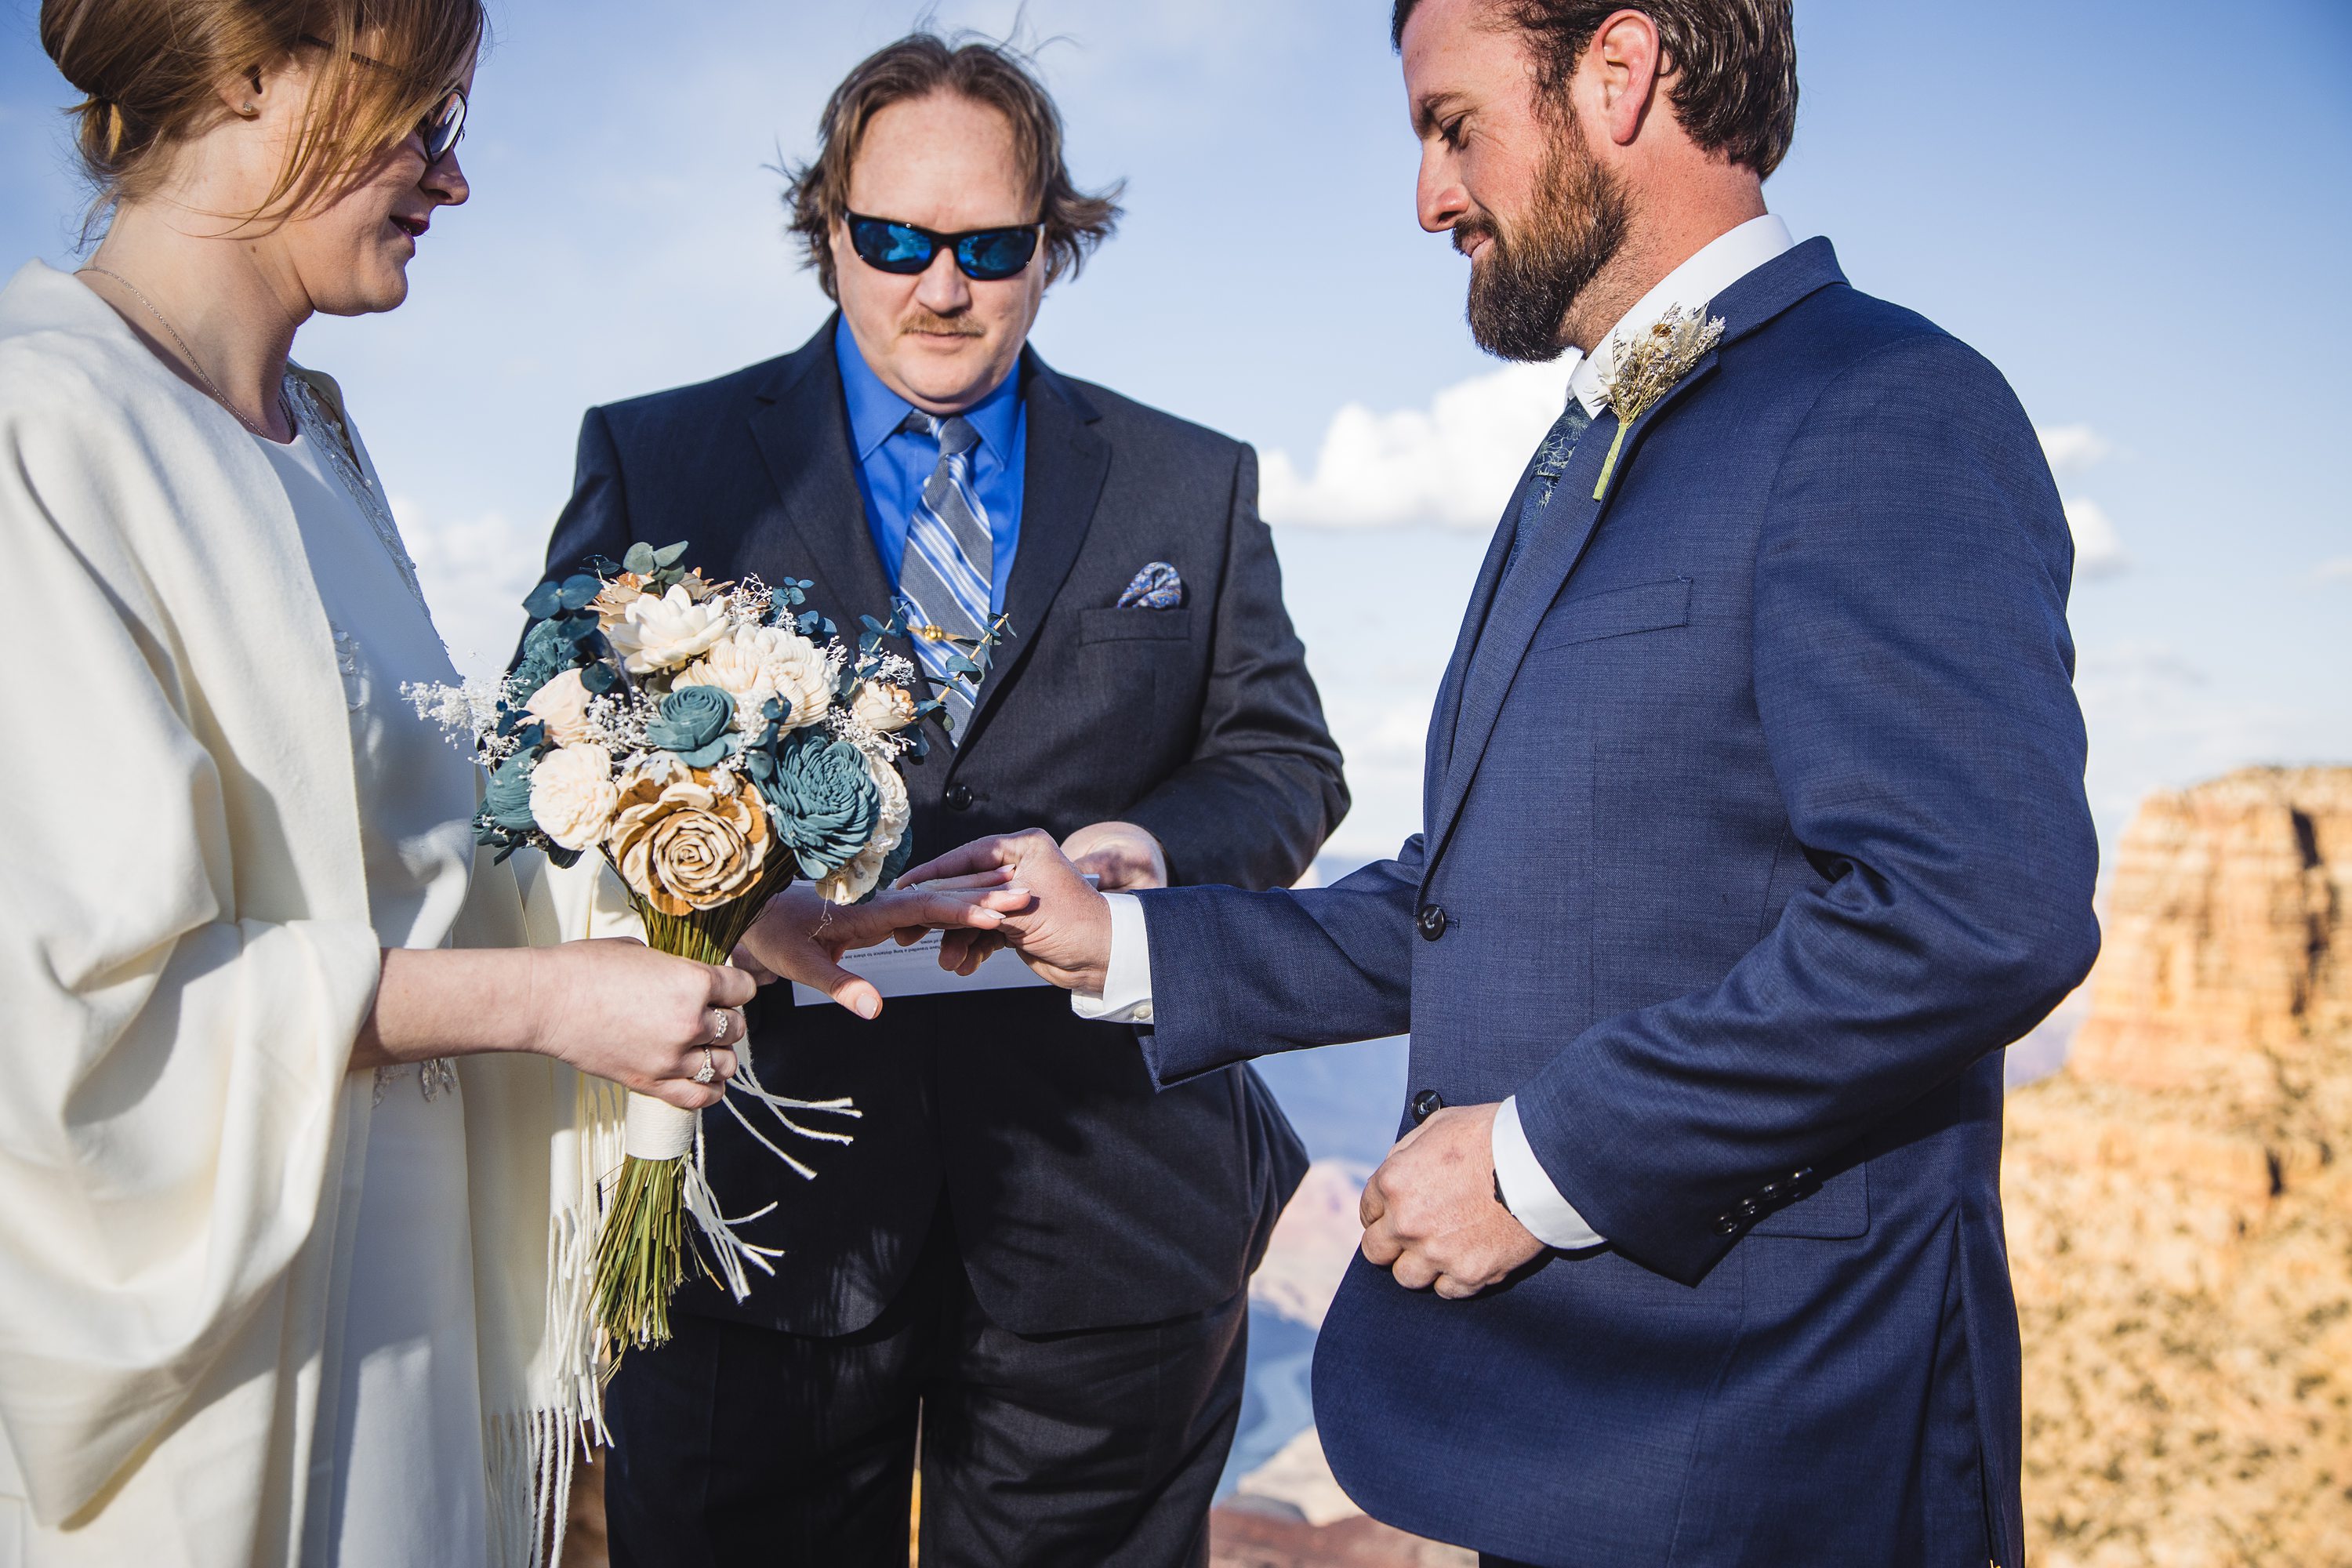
948	326
1471	230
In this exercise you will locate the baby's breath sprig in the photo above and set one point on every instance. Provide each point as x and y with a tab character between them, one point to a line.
467	712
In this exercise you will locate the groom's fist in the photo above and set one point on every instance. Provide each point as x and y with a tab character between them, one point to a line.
1430	1213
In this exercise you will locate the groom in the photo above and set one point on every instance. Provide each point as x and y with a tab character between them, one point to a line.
1754	830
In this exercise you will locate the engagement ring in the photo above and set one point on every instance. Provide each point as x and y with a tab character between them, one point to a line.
709	1068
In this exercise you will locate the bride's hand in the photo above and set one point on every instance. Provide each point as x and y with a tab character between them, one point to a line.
801	937
643	1019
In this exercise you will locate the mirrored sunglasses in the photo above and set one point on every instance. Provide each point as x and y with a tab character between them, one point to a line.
983	255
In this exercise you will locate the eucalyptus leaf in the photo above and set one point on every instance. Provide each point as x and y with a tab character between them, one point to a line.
668	554
545	600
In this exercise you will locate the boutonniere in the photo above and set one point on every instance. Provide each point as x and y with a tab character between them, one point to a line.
1647	369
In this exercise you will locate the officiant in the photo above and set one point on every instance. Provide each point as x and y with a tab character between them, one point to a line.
1027	1254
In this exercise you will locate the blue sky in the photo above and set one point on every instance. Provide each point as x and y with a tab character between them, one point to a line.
2139	212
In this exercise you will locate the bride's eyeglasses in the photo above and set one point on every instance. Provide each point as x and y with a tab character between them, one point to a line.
441	126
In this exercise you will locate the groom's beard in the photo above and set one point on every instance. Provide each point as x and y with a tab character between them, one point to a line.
1522	287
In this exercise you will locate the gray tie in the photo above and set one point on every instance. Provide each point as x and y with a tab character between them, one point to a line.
946	572
1551	462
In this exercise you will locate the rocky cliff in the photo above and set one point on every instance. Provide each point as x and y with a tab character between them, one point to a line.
2179	1219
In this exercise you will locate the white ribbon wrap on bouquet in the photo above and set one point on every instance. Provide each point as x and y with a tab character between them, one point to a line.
657	1130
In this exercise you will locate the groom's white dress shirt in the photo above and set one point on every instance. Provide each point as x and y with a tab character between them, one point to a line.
1126	997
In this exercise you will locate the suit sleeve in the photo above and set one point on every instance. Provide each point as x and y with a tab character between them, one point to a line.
1913	674
595	521
1236	974
1263	788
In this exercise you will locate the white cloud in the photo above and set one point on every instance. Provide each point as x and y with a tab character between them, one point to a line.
2098	548
2071	449
1453	463
476	572
2339	570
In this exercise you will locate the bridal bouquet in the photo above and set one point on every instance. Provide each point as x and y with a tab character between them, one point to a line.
701	738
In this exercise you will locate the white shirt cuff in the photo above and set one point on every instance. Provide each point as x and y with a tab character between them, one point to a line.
1527	1192
1127	980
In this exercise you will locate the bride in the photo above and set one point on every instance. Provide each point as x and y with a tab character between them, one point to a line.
291	1142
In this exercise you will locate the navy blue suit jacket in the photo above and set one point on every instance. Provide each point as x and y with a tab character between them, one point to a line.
1755	808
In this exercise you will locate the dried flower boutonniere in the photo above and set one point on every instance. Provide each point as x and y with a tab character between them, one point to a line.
1648	367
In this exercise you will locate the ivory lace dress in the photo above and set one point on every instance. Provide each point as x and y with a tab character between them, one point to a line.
398	1463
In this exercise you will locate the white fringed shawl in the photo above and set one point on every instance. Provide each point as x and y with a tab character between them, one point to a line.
185	958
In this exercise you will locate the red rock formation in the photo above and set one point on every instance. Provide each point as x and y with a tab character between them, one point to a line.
1243	1539
2179	1224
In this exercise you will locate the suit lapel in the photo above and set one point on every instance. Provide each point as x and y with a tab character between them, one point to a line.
802	427
1062	479
1444	720
1520	603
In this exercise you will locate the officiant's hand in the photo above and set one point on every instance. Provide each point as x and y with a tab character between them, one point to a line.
1064	933
1430	1213
801	937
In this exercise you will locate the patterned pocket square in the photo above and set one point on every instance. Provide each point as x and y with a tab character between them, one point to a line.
1158	586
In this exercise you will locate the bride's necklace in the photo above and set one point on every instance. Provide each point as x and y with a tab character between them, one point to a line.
185	351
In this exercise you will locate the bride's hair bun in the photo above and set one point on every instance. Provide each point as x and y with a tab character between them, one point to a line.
151	74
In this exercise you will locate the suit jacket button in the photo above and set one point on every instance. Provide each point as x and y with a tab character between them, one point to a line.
1433	922
959	797
1426	1104
1748	1208
1724	1224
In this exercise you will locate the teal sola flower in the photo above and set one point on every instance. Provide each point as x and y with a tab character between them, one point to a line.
694	724
824	799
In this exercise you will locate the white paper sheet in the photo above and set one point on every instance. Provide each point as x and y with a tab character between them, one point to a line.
915	972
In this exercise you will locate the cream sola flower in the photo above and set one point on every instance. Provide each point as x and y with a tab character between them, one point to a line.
652	634
883	708
573	795
756	665
562	706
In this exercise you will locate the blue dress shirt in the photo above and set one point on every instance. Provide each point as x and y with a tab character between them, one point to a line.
893	465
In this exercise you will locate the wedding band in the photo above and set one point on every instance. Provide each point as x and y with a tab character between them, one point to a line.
718	1028
709	1068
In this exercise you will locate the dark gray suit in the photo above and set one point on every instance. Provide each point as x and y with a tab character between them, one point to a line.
1013	1162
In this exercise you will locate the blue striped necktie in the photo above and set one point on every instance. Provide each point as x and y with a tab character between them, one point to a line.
945	572
1551	461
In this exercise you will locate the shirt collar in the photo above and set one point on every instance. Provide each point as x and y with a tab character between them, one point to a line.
1716	266
875	412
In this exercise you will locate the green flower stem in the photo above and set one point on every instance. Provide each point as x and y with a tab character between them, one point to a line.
640	1255
641	1251
1609	464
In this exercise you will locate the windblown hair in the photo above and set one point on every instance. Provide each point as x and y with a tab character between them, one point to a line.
152	74
1734	64
817	192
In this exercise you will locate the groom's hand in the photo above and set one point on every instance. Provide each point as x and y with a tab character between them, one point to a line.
801	937
1430	1213
1064	934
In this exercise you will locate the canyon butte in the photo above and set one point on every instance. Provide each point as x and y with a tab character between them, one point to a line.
2179	1205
